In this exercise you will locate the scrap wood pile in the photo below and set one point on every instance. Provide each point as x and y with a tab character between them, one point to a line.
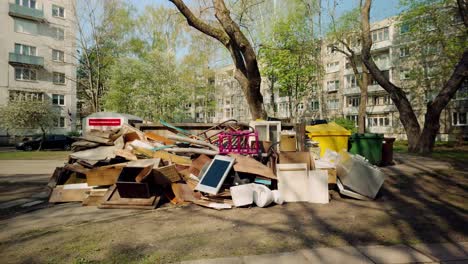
128	168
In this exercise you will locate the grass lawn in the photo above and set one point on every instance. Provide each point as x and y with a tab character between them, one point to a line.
442	150
34	155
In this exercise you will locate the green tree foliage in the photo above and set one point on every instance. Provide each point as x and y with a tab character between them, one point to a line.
29	115
290	58
148	87
434	38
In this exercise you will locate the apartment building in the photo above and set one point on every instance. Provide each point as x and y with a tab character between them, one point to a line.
37	56
338	95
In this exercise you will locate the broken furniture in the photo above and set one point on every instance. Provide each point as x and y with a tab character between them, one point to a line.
359	175
241	142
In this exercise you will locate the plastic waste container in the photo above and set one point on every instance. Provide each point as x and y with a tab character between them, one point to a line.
387	151
368	145
329	136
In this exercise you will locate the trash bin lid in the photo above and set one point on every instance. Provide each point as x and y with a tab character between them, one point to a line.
367	136
330	129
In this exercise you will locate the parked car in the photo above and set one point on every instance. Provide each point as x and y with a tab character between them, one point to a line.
50	142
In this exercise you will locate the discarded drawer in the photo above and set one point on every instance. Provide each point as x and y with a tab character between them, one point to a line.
127	185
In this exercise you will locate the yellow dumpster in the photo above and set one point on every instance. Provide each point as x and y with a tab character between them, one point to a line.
329	136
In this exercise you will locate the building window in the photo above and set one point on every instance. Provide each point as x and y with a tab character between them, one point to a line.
333	67
404	75
372	81
58	11
26	3
351	81
25	74
59	78
58	55
404	52
25	50
58	99
404	28
300	106
315	105
333	85
379	35
60	122
25	96
354	101
333	103
462	92
353	118
58	33
25	26
378	121
460	118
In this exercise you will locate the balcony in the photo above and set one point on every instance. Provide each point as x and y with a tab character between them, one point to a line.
26	12
352	90
20	59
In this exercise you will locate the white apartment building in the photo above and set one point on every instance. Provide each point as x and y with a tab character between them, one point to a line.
338	95
37	56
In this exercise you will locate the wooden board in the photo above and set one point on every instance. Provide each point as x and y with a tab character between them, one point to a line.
172	157
76	167
106	175
198	163
297	157
112	199
166	174
156	137
184	193
95	197
128	155
247	164
59	195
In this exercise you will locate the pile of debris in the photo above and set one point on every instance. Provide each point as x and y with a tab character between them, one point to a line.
234	167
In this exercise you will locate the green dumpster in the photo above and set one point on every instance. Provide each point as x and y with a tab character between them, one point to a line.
368	145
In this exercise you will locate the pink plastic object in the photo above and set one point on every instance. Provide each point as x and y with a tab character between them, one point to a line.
238	142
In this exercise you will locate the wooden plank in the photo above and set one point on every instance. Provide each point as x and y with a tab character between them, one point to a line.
112	199
166	174
156	137
172	157
141	177
59	195
128	155
124	206
95	197
198	163
106	175
247	164
76	167
297	157
184	193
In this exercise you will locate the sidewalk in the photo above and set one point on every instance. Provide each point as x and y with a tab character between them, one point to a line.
418	253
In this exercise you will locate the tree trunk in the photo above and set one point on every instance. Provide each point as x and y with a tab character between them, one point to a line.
417	141
242	52
398	96
363	101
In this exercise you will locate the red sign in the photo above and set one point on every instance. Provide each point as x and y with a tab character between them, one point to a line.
104	122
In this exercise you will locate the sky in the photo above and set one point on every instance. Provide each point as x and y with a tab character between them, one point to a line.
380	8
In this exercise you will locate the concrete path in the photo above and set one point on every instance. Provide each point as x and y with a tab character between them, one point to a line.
418	253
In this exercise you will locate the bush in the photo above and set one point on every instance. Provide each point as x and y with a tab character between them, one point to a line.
74	133
346	123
